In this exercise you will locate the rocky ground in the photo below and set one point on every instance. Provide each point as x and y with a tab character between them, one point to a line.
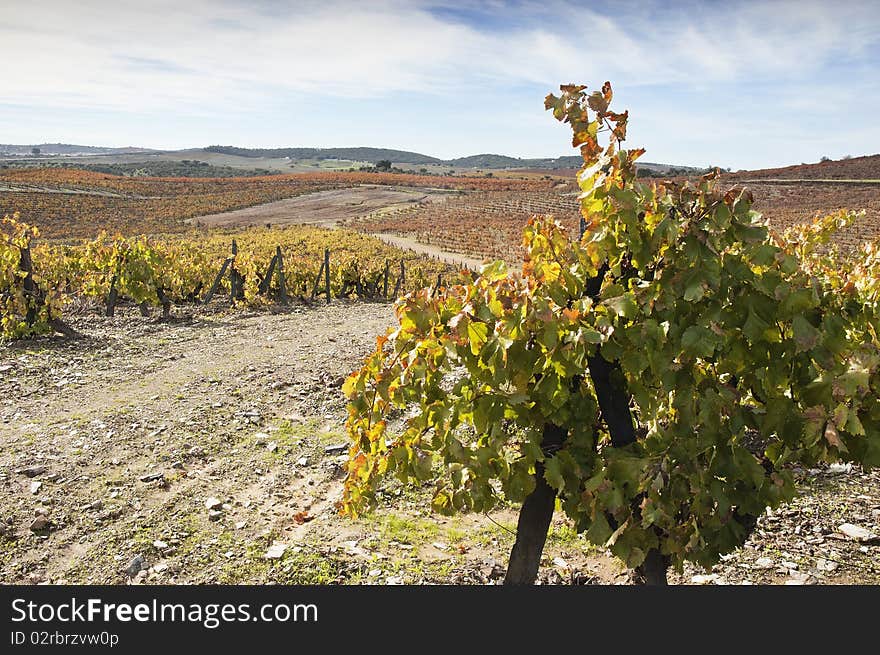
208	449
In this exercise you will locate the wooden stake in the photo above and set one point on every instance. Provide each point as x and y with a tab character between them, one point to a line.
217	279
267	280
327	274
282	288
318	280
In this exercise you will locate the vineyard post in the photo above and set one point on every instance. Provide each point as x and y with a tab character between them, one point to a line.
217	281
318	280
233	275
166	302
385	281
30	288
112	297
358	287
327	273
282	289
267	279
398	286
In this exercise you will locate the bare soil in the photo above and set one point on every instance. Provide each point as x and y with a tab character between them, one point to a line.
325	208
208	449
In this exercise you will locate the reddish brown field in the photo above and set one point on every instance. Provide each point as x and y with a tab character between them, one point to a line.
489	225
67	203
855	168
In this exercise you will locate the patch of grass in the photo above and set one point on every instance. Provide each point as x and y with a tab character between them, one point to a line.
407	530
565	535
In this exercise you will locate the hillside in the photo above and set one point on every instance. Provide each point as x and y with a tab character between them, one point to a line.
67	149
854	168
372	155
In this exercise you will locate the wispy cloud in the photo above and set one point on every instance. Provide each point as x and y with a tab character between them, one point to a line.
209	58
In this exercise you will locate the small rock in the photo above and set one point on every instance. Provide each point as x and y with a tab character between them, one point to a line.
32	471
800	579
159	544
336	448
439	545
858	533
839	468
213	503
792	566
151	477
561	563
158	568
705	579
271	446
136	565
240	525
214	514
39	524
826	566
375	573
302	461
96	505
35	486
196	451
276	550
763	563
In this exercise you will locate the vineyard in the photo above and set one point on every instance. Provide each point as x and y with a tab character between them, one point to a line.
480	225
69	203
252	267
488	225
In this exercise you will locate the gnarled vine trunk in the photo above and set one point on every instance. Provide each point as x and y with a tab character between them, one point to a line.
534	519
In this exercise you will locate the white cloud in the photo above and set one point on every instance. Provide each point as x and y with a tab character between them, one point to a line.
223	60
193	55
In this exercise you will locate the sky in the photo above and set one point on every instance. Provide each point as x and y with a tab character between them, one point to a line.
735	83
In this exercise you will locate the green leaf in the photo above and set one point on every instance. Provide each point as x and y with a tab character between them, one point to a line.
624	305
754	328
805	335
599	530
698	341
477	333
494	271
553	473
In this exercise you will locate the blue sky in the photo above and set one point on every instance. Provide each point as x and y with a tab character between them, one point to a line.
739	84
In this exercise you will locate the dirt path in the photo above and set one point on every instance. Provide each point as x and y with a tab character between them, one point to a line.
187	451
432	251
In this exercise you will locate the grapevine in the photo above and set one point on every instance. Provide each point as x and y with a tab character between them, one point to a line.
660	376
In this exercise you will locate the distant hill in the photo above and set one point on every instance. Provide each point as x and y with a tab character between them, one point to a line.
285	158
67	149
852	168
372	155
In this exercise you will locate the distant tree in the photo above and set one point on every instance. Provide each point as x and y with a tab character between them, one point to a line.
383	165
35	151
824	159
